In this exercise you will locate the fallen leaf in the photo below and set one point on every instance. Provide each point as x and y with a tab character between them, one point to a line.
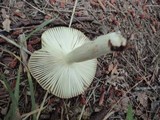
132	36
124	103
138	25
13	84
99	72
113	1
63	3
17	32
154	21
13	63
132	12
110	67
153	28
4	111
34	41
6	24
6	60
138	78
143	99
137	2
86	114
83	100
48	17
114	70
101	100
142	16
94	3
18	13
30	48
4	13
51	101
2	40
144	7
101	115
158	2
139	112
115	21
19	4
52	2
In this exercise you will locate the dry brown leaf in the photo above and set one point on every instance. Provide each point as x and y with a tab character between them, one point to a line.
63	3
4	13
110	67
30	48
86	114
83	100
52	2
13	63
17	32
141	113
153	28
113	1
114	70
101	100
34	41
124	103
19	4
2	40
132	37
18	13
6	24
142	98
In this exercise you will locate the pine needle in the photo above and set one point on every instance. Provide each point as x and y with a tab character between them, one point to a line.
74	8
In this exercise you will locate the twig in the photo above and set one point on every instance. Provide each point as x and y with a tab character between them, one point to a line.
74	8
152	5
3	64
34	7
146	88
114	7
80	117
122	97
66	110
101	4
26	115
41	108
108	115
139	74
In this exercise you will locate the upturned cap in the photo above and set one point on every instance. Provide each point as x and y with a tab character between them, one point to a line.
50	69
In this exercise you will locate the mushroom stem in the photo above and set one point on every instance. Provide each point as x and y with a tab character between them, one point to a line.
93	49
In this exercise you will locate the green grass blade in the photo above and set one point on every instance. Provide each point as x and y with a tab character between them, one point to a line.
24	59
32	93
130	113
15	44
11	115
29	80
39	28
4	81
16	91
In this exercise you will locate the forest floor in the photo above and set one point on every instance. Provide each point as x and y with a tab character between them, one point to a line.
125	84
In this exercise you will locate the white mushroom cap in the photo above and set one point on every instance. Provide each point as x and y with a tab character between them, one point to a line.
49	67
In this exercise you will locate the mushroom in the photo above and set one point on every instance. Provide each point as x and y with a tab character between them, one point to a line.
66	64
